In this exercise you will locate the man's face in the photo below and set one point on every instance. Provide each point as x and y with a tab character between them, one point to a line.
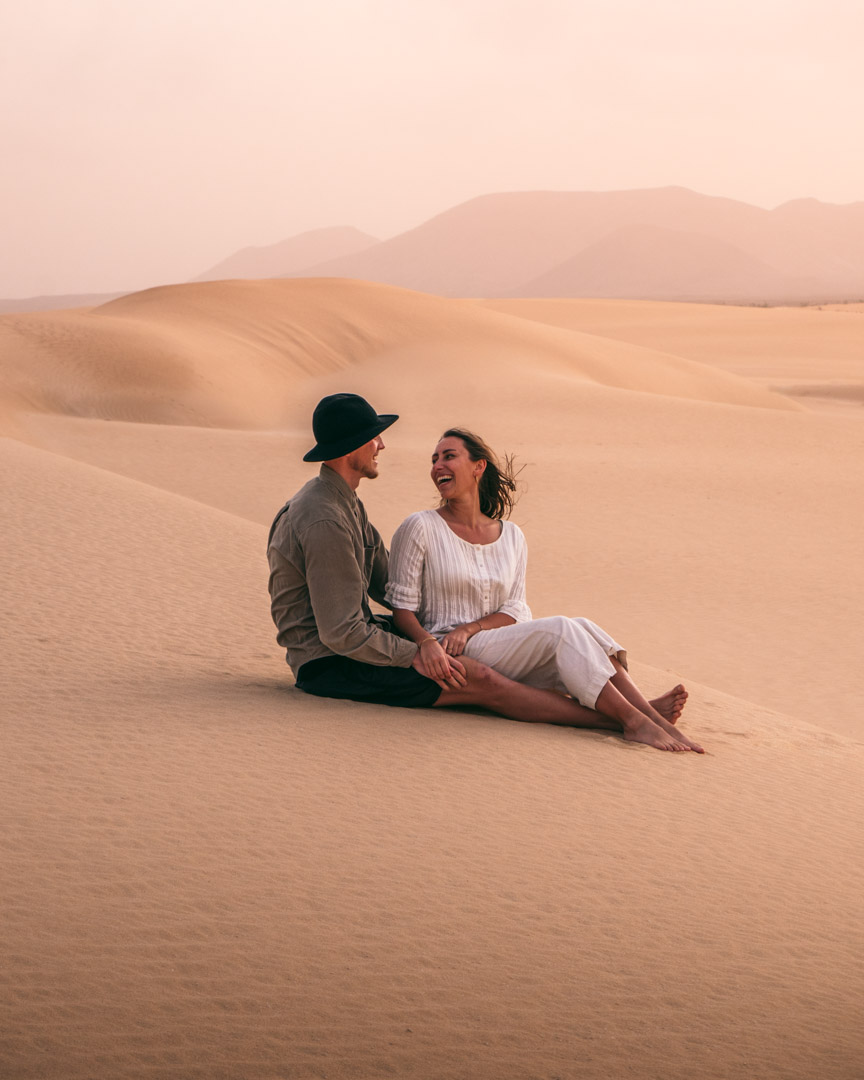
364	461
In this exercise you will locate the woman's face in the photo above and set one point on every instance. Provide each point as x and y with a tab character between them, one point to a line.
453	472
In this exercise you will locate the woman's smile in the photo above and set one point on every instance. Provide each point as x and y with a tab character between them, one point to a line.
452	469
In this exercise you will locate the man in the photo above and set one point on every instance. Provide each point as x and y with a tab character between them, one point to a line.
327	560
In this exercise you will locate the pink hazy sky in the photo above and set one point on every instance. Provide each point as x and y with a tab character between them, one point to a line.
144	142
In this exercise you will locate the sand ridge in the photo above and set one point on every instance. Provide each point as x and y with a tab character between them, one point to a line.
811	353
230	354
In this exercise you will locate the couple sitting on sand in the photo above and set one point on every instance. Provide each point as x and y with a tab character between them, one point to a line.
461	632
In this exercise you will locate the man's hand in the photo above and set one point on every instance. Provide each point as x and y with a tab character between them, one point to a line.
432	662
454	643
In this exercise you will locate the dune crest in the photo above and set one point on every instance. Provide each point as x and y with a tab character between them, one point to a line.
231	354
812	354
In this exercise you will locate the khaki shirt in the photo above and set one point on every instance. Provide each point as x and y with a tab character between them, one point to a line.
326	560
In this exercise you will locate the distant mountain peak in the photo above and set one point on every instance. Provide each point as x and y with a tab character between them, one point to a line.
287	256
579	242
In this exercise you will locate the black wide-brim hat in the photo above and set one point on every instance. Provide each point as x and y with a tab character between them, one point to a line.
342	423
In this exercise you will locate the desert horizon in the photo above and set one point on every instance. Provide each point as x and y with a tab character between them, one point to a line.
667	243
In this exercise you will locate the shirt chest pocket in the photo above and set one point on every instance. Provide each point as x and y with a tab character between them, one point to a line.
367	550
368	561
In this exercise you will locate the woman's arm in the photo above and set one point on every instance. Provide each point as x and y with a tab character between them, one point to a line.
454	643
404	594
435	660
405	572
516	604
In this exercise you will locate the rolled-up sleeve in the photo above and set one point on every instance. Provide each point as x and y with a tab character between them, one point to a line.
336	593
516	605
407	554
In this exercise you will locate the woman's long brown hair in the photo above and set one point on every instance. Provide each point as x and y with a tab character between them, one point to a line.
498	482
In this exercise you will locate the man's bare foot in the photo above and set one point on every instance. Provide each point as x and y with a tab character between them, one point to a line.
646	731
671	704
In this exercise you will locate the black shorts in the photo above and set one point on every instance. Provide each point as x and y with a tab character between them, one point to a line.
342	677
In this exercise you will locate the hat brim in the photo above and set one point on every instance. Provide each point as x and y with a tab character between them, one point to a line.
340	447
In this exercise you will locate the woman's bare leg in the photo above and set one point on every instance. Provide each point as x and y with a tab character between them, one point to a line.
674	697
517	701
627	688
671	704
637	726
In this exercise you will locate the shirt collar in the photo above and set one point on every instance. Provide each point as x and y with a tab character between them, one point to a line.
334	481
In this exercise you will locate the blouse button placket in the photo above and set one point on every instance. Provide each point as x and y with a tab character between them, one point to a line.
484	577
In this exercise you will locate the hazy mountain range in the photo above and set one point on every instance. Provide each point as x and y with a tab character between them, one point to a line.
664	243
290	257
659	244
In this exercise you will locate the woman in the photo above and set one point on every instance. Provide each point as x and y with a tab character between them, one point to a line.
457	586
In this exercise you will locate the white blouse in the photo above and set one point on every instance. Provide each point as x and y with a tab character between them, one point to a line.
446	581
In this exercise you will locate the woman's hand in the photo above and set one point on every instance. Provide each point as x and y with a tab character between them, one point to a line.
437	665
454	643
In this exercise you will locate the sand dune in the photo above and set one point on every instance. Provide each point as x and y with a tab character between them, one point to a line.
230	353
785	349
209	874
701	484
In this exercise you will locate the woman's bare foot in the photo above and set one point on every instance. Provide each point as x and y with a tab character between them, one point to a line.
671	704
666	725
644	730
635	724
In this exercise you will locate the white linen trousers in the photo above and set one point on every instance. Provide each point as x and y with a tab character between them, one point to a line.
447	581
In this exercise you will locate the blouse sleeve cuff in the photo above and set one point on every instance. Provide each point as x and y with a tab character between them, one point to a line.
400	596
516	610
